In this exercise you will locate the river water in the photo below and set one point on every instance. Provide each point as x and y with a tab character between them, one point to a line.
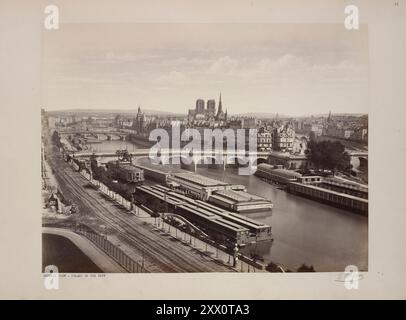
304	231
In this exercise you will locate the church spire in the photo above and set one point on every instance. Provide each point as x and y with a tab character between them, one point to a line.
220	113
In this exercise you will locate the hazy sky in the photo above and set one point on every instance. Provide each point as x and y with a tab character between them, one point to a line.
292	69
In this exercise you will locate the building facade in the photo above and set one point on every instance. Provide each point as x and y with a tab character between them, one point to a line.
264	141
283	138
200	106
139	122
211	108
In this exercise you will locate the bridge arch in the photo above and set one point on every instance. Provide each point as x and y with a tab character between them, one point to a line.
243	161
260	160
236	160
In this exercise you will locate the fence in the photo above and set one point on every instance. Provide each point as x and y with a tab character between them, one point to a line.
111	250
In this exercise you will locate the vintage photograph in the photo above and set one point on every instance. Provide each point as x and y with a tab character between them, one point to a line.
204	147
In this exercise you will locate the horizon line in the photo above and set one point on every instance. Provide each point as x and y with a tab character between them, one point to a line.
185	113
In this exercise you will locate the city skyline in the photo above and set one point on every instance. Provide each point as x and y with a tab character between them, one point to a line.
133	110
166	67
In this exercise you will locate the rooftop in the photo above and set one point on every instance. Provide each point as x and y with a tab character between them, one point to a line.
199	179
346	183
125	166
287	155
160	168
345	195
283	172
238	196
130	167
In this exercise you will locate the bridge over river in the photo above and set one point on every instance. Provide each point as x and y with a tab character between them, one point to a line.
95	133
202	153
165	156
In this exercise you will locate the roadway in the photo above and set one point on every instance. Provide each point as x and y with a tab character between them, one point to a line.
159	253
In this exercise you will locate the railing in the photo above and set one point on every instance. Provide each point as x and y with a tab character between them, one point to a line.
110	249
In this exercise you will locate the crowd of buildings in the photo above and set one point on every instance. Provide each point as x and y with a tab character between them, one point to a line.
347	127
284	135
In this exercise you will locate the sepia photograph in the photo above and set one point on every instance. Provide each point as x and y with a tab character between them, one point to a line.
199	155
194	147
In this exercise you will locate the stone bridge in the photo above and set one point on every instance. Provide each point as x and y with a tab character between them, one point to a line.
193	159
95	133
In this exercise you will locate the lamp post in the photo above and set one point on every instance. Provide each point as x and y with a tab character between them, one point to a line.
235	255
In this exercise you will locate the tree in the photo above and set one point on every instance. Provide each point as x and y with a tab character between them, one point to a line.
329	155
94	167
312	136
97	171
56	139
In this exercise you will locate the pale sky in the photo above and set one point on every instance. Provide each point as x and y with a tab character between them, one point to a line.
292	69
